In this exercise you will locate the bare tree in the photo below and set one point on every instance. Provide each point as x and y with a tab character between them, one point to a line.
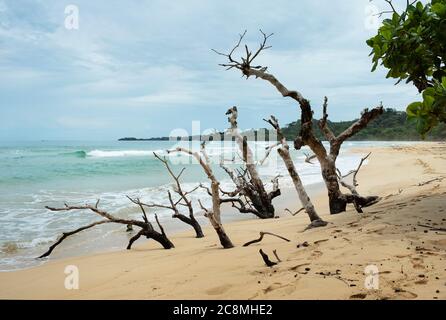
248	183
284	152
146	228
212	214
327	160
183	200
352	187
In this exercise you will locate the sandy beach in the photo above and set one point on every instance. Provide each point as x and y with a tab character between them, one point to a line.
403	236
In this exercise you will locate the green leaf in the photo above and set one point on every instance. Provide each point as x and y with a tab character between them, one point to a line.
412	109
419	6
387	34
429	92
439	9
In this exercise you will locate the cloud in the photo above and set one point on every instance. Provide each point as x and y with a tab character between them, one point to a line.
145	62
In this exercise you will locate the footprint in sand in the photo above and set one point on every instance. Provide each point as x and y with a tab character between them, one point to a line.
288	289
218	290
316	254
417	263
406	295
422	281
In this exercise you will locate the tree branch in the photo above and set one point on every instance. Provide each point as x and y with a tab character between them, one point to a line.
262	234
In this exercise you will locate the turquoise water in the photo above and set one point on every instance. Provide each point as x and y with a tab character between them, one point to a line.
36	174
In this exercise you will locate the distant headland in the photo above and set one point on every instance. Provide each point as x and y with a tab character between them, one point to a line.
143	139
390	126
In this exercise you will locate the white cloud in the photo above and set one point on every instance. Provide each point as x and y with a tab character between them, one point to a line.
153	56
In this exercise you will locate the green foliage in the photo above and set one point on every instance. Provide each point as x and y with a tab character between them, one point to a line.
412	45
392	125
429	112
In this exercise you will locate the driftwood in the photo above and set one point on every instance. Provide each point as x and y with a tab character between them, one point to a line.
146	230
249	185
309	157
430	181
276	255
432	227
358	201
262	234
212	214
284	153
294	213
183	200
266	259
337	200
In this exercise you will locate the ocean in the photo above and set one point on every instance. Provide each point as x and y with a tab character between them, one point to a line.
50	173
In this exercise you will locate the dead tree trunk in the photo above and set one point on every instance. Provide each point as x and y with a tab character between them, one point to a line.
183	200
284	153
214	214
249	184
146	230
327	160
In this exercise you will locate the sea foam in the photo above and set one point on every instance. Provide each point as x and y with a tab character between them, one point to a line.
121	153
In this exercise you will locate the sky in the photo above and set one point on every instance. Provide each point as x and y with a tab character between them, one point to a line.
144	68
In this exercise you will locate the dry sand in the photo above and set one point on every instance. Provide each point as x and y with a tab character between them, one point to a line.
411	259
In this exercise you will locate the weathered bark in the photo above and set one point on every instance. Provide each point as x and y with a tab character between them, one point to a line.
337	200
151	234
284	153
260	201
214	214
146	227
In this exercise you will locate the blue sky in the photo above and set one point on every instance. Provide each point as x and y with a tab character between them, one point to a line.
144	68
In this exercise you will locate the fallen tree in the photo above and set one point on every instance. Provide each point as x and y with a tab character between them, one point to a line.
146	228
212	214
183	200
248	183
327	159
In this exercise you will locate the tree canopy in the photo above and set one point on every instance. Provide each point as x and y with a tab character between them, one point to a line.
392	125
412	45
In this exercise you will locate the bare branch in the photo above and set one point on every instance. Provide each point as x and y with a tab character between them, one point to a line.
266	259
214	215
262	234
146	226
268	151
294	213
366	117
276	255
323	122
309	157
70	233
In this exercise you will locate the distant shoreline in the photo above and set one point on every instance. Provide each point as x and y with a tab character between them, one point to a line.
130	139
